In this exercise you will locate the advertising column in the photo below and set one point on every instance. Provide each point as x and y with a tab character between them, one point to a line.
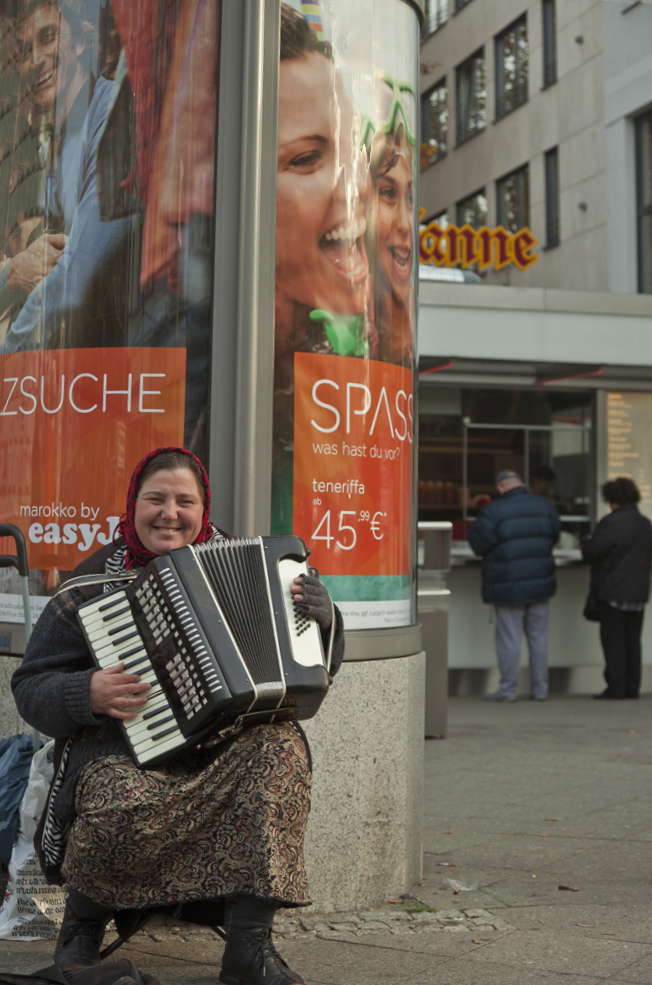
107	167
345	299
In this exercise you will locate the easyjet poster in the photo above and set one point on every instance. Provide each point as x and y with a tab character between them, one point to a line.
72	424
346	261
107	166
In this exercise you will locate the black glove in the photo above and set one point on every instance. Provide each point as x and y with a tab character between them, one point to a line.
314	601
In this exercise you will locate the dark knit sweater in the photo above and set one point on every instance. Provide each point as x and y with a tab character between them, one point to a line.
52	685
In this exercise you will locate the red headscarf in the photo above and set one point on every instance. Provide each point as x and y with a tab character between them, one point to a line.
137	555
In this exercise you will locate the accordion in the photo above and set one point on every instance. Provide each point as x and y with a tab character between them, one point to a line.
215	630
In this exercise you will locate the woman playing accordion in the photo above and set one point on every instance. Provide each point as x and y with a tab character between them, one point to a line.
218	830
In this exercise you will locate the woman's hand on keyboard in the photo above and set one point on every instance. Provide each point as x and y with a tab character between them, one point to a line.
117	694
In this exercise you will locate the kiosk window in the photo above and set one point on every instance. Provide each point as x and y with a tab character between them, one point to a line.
467	436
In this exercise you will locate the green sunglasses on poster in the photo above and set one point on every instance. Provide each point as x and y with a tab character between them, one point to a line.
395	99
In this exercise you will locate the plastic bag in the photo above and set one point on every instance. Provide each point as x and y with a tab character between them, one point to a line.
15	760
33	909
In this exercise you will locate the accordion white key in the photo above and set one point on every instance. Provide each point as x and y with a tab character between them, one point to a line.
215	630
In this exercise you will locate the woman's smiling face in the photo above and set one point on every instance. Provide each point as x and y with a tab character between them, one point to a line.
321	260
169	510
394	203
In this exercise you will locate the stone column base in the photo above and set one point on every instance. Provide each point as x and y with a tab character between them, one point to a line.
364	835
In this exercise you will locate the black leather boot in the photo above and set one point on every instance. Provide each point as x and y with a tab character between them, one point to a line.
250	957
82	932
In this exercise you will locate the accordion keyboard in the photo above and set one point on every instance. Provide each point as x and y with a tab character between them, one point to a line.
112	631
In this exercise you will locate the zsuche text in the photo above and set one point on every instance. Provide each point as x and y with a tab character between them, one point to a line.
83	394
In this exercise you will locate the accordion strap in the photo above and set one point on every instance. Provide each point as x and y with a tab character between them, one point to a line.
85	580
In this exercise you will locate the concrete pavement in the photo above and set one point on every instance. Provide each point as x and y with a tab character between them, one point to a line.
537	852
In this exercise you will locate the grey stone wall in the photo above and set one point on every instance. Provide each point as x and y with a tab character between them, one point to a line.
364	834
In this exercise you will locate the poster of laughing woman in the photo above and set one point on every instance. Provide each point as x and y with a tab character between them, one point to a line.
345	299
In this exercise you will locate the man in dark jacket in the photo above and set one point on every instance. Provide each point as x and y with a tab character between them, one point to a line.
515	536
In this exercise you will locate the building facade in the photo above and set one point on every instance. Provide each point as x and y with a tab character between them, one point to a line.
538	116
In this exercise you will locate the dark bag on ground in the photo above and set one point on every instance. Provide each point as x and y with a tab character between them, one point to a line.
120	972
592	608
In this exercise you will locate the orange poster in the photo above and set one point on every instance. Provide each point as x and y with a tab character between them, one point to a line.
353	425
73	423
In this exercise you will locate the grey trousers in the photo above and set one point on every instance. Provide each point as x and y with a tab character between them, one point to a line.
511	622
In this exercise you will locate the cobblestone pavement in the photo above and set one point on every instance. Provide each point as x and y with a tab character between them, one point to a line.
396	921
409	919
537	866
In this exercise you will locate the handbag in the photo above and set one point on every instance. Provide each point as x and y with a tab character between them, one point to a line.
592	607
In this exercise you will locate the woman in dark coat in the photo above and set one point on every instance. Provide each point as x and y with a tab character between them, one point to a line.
620	555
218	829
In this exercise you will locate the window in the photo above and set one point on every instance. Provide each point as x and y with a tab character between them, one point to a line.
552	197
467	435
513	200
471	85
549	42
436	16
434	124
512	57
441	218
644	203
473	210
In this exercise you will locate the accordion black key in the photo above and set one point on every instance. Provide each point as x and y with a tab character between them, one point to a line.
215	630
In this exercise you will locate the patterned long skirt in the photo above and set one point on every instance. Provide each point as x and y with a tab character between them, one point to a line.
223	822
